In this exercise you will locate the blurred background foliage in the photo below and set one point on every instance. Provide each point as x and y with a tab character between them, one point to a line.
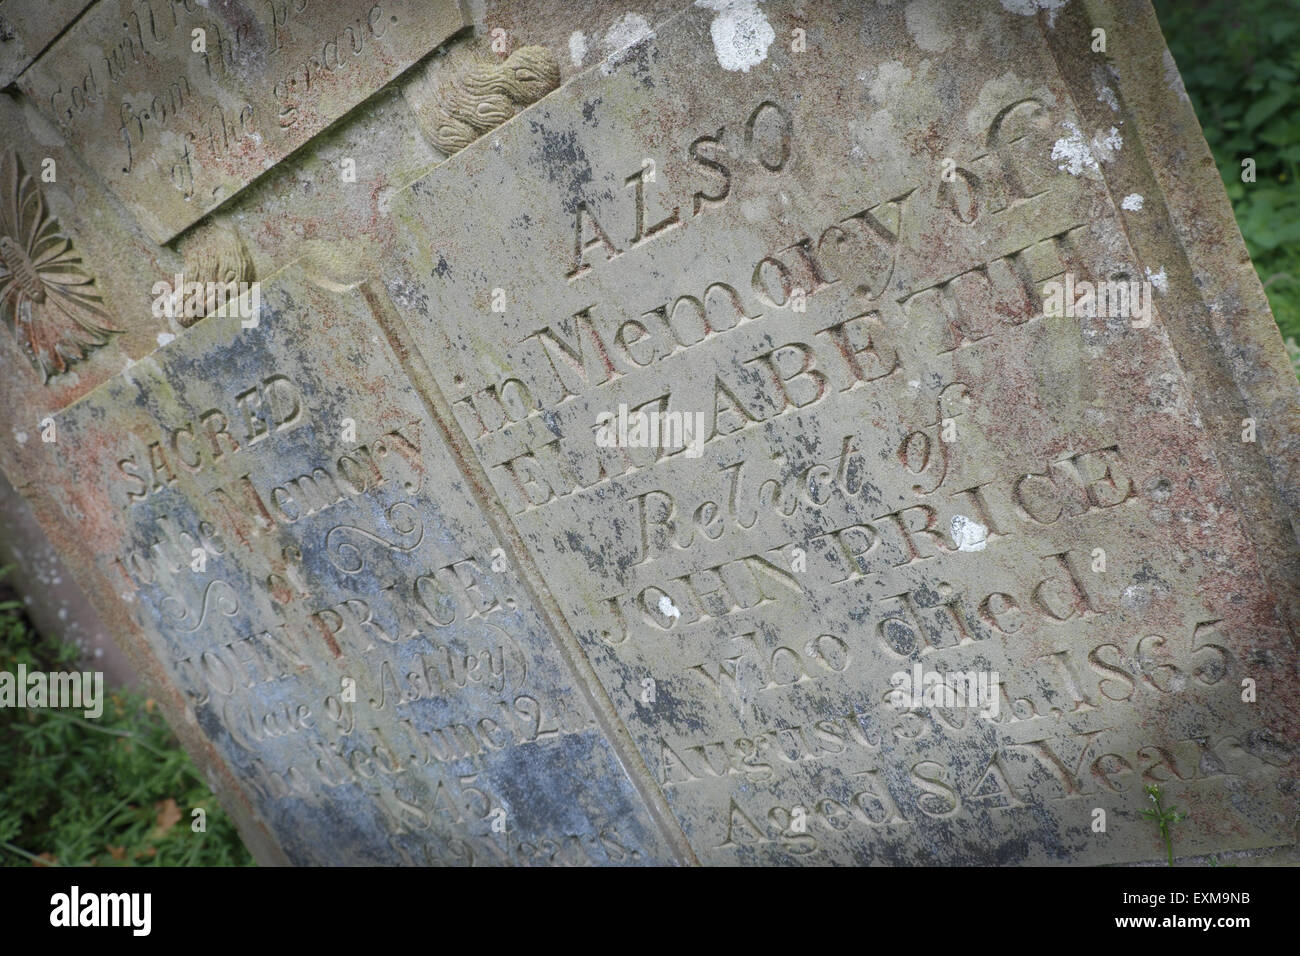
114	791
1240	61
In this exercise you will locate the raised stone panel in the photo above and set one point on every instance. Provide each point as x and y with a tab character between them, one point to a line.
176	122
313	574
906	462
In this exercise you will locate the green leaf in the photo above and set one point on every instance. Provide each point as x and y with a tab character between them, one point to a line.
1263	108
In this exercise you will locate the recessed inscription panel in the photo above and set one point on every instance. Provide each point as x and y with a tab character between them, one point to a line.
316	578
769	385
178	105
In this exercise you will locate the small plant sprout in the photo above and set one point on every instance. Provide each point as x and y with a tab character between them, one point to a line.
1163	817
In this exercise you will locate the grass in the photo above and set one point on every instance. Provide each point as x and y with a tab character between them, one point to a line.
1163	817
1240	62
115	791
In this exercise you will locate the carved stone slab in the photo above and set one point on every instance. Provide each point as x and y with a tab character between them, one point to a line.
309	570
836	260
177	121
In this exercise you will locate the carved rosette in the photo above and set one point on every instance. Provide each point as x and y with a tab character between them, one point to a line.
488	94
47	299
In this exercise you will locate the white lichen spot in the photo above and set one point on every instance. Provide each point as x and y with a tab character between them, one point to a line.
740	32
1078	154
667	608
1074	151
20	437
1107	95
1158	279
914	383
1030	7
627	31
1107	147
165	337
969	535
1132	202
577	47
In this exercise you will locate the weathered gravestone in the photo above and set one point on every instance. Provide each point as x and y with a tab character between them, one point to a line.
613	482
